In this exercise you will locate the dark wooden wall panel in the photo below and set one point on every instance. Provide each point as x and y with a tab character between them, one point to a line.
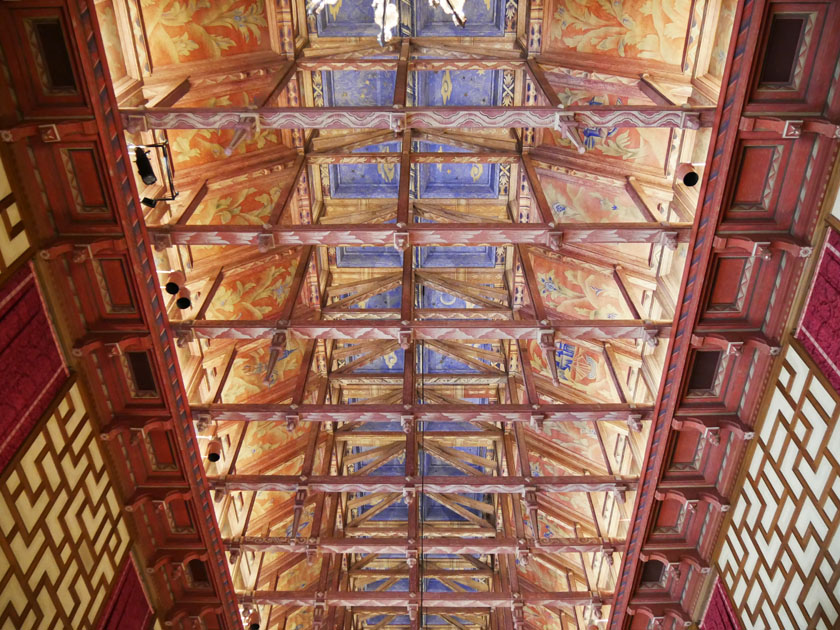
799	40
54	84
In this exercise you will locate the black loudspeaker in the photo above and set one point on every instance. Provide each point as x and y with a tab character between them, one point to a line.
691	178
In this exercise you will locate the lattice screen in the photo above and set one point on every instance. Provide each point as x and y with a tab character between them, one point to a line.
63	535
781	557
14	241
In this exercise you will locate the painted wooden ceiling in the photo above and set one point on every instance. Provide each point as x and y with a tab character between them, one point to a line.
592	54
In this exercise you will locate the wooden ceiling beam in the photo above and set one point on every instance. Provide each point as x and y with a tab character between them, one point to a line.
416	157
285	74
450	601
432	234
324	144
544	547
386	413
429	572
401	81
430	483
475	331
281	208
383	117
537	76
464	140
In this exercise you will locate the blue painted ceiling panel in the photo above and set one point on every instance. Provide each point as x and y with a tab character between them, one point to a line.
451	88
356	88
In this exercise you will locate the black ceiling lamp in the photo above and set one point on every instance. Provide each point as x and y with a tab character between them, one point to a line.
144	166
147	172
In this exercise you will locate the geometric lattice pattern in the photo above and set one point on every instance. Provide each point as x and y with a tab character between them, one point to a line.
63	535
781	557
14	241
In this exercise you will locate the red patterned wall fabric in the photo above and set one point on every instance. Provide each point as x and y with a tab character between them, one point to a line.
719	614
32	370
127	608
819	329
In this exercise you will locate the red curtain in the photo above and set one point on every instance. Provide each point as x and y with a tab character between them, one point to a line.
32	370
719	614
127	608
819	329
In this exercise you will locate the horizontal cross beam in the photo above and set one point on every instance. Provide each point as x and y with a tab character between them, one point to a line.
485	63
423	413
428	572
436	483
448	545
358	329
383	599
419	234
399	118
489	157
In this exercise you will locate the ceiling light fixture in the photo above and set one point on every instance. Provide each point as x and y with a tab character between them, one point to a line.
387	17
144	166
455	8
147	172
318	5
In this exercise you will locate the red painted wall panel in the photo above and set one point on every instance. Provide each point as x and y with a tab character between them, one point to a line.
32	370
127	608
719	614
819	329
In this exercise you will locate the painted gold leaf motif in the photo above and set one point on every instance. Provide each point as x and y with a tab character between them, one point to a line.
192	30
644	29
446	87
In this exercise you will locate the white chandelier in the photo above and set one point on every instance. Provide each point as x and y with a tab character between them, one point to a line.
387	17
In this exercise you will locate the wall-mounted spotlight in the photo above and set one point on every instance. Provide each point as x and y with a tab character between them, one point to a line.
147	173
